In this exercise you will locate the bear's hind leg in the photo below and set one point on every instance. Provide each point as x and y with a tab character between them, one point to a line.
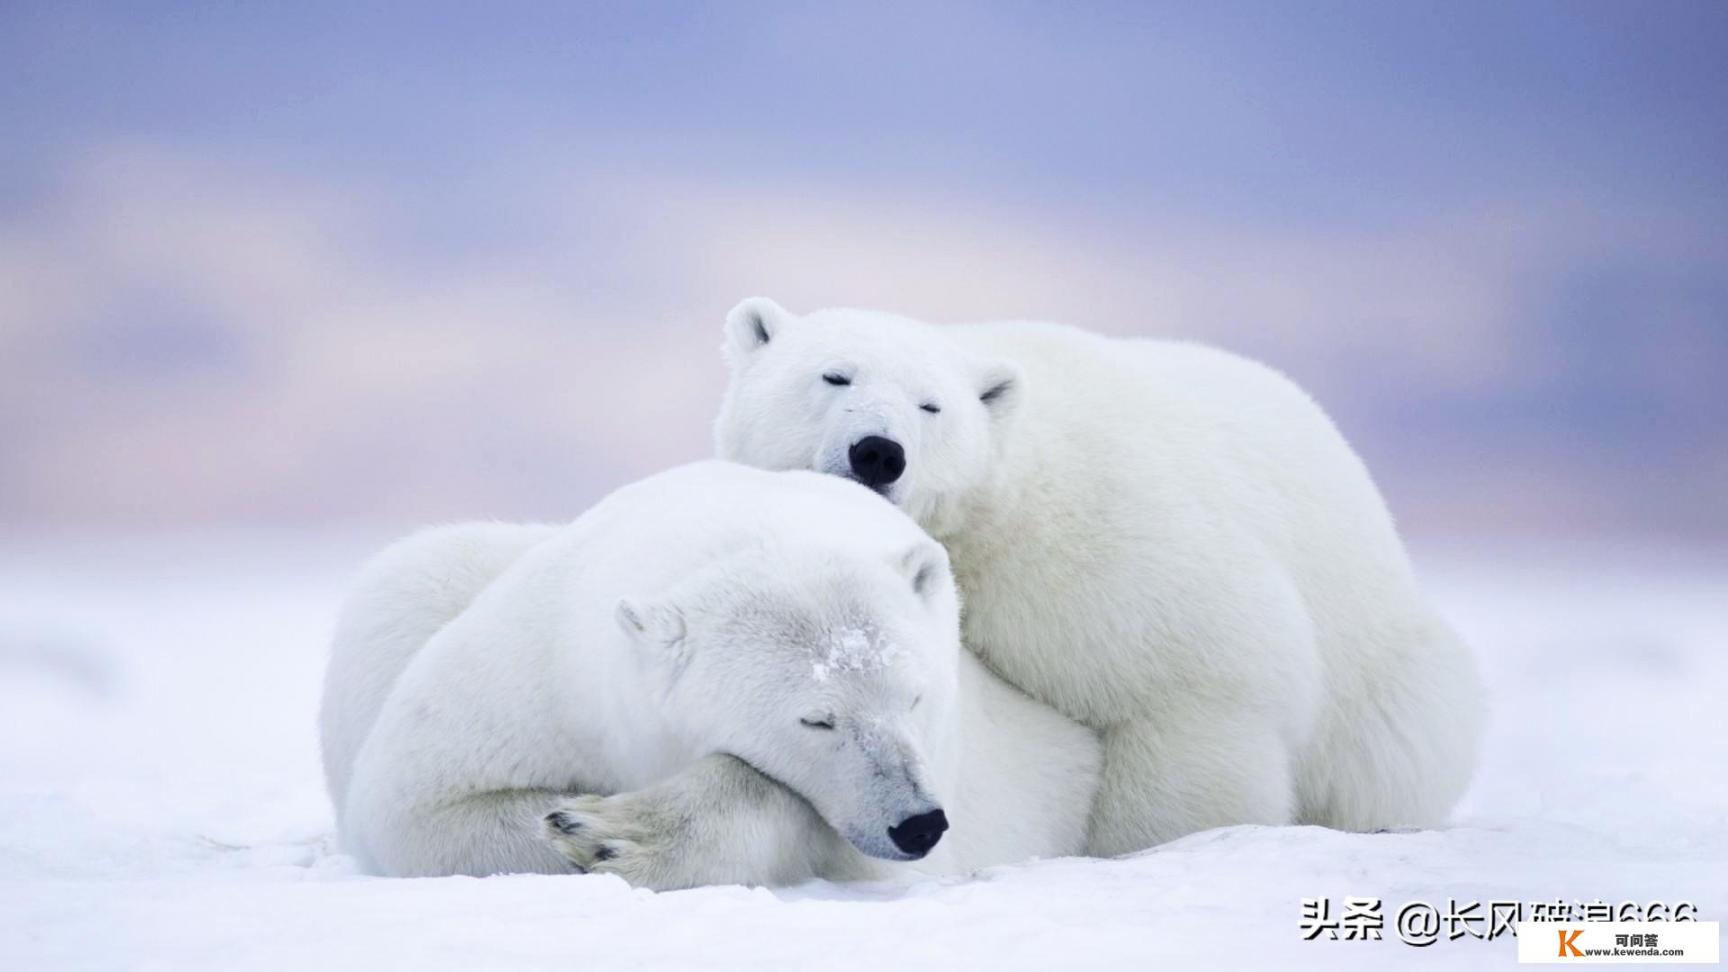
1178	772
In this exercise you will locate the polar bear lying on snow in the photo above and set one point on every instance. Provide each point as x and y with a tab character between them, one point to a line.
1165	542
716	675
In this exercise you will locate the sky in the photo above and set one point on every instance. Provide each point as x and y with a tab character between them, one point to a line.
319	264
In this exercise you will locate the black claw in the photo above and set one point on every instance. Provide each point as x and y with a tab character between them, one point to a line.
563	823
605	853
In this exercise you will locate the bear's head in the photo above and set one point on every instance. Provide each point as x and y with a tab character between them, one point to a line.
831	672
884	400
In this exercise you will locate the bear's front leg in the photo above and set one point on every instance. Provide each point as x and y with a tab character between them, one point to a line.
717	822
1186	769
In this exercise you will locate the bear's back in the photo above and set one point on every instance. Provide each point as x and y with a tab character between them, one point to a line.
662	526
1181	423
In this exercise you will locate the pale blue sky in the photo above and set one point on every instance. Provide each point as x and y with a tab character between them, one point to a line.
243	247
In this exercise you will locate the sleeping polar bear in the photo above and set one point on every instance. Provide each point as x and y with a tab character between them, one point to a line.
716	675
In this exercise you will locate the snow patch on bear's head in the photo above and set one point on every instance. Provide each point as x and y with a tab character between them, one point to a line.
831	672
853	650
884	400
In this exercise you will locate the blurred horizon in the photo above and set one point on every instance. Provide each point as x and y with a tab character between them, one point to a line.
291	265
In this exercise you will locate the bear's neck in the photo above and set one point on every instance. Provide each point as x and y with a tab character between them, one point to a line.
997	503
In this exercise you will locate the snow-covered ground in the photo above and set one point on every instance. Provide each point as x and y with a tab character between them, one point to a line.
161	804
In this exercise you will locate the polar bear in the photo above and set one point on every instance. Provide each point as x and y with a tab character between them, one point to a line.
715	675
1165	542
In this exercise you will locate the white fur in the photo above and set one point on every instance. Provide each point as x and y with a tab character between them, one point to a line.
629	693
1163	541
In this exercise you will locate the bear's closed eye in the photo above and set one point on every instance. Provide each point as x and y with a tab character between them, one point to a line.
836	379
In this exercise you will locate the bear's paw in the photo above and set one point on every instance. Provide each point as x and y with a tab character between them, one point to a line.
604	835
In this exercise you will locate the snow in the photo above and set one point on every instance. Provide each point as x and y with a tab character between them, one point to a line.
161	804
853	650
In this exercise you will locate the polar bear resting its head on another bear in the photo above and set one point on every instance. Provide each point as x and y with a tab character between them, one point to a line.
1165	542
716	675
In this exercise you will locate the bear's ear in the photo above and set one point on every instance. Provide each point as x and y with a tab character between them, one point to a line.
751	326
1001	386
925	567
657	628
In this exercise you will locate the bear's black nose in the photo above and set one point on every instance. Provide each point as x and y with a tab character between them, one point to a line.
877	461
916	835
